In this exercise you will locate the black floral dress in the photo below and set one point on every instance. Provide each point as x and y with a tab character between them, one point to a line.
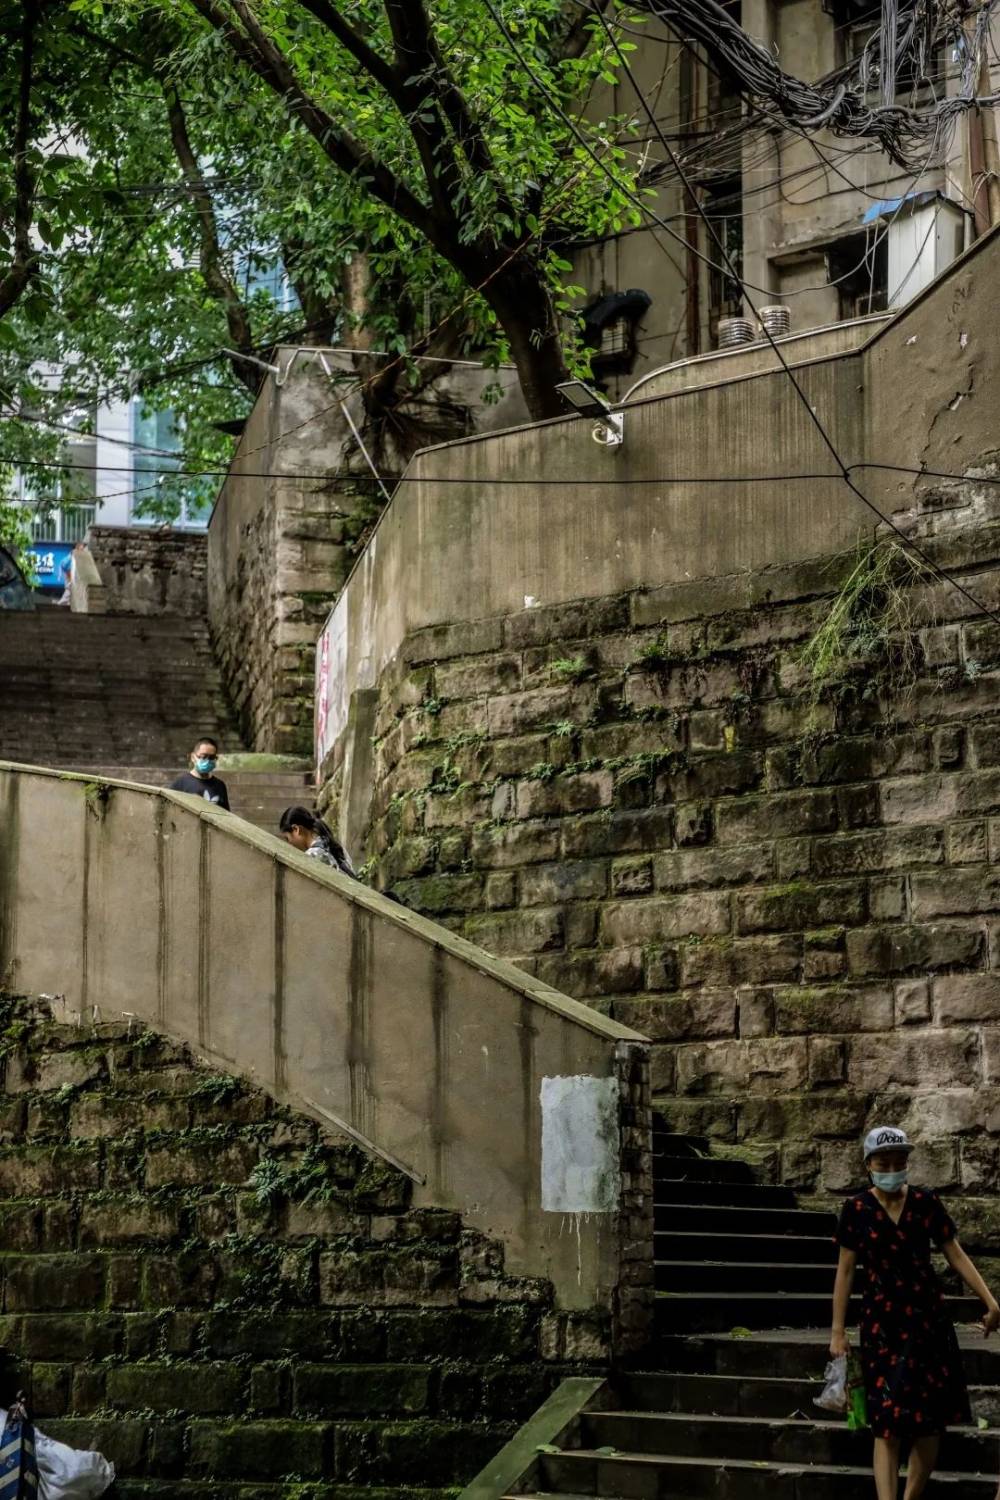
909	1349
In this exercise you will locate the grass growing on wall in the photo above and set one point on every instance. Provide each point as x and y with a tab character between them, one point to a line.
871	623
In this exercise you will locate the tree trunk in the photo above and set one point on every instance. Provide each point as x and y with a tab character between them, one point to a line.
523	306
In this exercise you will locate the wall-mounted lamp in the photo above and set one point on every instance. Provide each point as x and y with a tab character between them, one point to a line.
609	428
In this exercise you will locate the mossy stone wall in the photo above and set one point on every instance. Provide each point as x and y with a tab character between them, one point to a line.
791	887
228	1303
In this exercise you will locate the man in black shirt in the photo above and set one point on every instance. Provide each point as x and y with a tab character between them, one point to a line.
201	780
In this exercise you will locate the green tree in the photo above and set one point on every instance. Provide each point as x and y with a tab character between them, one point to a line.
400	166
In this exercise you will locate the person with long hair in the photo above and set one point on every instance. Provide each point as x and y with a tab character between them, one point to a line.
914	1382
306	831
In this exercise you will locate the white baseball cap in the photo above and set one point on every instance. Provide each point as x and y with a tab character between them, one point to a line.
886	1138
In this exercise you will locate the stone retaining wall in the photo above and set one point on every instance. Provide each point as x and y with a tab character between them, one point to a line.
644	801
227	1302
281	541
151	570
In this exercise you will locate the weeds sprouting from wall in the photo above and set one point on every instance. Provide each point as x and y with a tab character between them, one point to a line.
868	641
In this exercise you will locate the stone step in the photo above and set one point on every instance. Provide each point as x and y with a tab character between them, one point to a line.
214	1489
672	1144
639	1476
722	1311
736	1277
799	1441
670	1168
258	796
799	1353
691	1190
716	1249
772	1395
724	1219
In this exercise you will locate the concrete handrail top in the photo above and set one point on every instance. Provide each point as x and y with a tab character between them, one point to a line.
360	895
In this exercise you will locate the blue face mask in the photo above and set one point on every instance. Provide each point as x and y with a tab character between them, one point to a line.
205	764
889	1182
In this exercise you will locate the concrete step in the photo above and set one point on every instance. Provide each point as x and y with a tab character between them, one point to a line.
670	1168
745	1276
728	1309
258	796
753	1222
791	1440
638	1476
718	1249
770	1395
671	1191
797	1353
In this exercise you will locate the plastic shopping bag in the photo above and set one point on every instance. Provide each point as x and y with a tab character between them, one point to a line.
68	1473
834	1394
857	1400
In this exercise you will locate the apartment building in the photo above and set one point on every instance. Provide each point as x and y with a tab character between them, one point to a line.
832	229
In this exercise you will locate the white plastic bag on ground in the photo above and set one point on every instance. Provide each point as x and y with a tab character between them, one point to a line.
834	1394
68	1473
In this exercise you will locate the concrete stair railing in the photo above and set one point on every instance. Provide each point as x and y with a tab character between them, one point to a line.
523	1109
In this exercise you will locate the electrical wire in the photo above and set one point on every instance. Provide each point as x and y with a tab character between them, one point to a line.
623	187
904	132
918	471
907	542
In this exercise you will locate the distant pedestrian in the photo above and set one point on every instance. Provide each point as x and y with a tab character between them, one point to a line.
66	573
201	780
307	832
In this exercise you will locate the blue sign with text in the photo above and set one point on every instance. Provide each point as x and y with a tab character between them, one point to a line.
50	560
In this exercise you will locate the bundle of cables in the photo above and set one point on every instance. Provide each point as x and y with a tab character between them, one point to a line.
908	37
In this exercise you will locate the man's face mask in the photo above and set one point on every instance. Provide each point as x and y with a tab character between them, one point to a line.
205	764
889	1182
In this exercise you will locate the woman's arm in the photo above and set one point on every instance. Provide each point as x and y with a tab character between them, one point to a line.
960	1262
841	1296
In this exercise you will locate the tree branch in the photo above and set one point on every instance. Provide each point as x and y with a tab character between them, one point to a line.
213	270
253	47
578	33
25	260
349	37
417	51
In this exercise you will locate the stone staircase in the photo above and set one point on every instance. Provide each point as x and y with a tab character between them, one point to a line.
125	696
259	796
744	1280
84	690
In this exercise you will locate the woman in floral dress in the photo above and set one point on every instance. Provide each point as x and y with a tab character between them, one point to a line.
914	1382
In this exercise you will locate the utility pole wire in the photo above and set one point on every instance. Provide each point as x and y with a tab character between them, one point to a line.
844	470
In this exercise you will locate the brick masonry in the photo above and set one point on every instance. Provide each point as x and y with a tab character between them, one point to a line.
295	552
151	570
643	801
228	1303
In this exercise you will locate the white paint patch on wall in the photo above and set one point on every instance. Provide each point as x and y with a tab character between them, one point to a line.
581	1169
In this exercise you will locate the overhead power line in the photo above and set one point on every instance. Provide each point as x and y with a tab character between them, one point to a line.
504	480
908	543
910	32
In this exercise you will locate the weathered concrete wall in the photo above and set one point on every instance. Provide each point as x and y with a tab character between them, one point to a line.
697	490
227	1300
279	548
358	1012
154	571
647	801
598	751
288	524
